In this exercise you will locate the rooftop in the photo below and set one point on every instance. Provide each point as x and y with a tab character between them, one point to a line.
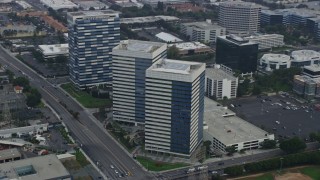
298	11
203	25
314	68
148	19
54	49
236	40
239	4
166	37
59	4
9	153
270	12
95	4
219	73
225	126
175	66
276	57
139	46
36	168
303	55
92	13
263	36
189	45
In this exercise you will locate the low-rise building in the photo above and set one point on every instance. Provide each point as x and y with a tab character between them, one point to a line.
220	82
17	30
270	62
168	38
59	4
202	31
186	7
190	48
267	41
54	24
302	58
224	129
24	5
36	168
306	86
148	19
312	71
9	155
88	5
22	131
268	17
18	89
54	50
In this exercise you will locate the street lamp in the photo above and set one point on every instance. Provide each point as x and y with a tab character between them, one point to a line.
280	165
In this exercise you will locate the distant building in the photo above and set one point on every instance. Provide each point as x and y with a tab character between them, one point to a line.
22	131
312	25
36	168
54	50
306	86
32	13
302	58
174	107
312	71
224	129
148	20
267	41
296	16
24	5
190	48
59	4
92	35
164	1
237	53
202	31
17	30
58	26
18	89
8	155
186	7
96	5
269	17
270	62
130	60
239	17
168	38
220	82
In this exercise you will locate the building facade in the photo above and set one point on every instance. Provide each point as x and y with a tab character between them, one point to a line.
54	50
92	35
306	86
267	41
270	62
202	31
220	82
301	58
130	60
239	17
237	53
174	107
268	17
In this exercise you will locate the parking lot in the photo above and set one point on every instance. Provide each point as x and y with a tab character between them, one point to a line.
281	115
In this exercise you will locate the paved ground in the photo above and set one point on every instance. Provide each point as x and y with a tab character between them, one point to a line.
295	119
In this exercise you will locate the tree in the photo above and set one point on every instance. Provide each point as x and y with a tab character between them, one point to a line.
173	52
33	98
292	145
314	136
234	170
21	81
269	144
256	90
230	150
92	9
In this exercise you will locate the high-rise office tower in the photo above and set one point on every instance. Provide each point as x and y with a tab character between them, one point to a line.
174	106
130	60
239	17
92	35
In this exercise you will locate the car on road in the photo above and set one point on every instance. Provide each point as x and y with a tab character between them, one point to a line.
116	171
221	163
111	166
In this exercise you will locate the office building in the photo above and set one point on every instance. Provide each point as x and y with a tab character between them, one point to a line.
92	35
268	17
224	129
239	17
312	25
174	107
59	4
237	53
8	155
220	82
270	62
312	71
202	31
267	41
306	86
130	60
191	48
54	50
302	58
296	17
36	168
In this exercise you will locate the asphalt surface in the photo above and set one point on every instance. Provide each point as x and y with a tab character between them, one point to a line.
87	132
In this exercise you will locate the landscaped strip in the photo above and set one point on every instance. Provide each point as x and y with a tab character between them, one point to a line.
84	98
152	165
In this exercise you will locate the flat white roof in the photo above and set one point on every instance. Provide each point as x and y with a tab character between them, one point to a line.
54	49
189	45
147	19
9	153
305	55
166	37
92	3
24	4
175	66
37	168
276	57
225	126
203	25
25	129
239	4
314	68
237	40
263	36
218	74
59	4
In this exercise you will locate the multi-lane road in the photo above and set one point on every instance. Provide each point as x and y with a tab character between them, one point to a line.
88	133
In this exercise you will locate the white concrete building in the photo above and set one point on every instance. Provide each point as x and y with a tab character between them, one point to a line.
21	131
54	50
239	17
59	4
174	107
267	41
148	19
130	60
168	38
224	129
202	31
190	48
312	71
86	5
220	82
302	58
270	62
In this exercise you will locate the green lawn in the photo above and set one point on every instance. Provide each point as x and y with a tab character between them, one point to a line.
152	165
312	171
265	177
84	98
